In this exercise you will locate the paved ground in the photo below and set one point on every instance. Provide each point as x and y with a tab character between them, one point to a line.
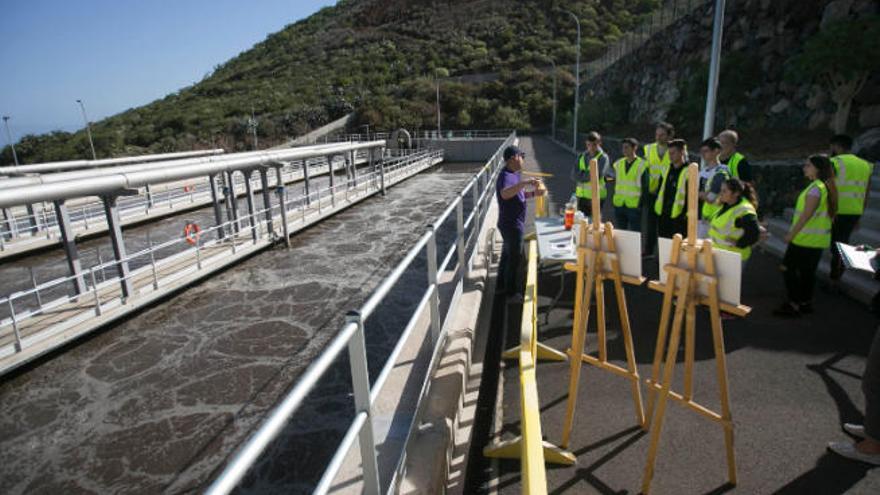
792	383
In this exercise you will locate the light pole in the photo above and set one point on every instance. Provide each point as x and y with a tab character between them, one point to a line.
9	137
714	69
553	126
88	129
577	82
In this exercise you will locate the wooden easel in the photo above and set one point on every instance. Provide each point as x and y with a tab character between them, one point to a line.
591	276
682	290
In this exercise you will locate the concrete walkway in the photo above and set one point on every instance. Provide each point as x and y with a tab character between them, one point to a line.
792	384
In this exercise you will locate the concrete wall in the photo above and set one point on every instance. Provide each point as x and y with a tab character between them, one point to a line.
464	149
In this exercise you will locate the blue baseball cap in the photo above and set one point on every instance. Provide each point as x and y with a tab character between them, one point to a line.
512	151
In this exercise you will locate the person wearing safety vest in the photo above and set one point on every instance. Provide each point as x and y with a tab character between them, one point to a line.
853	180
671	204
809	235
657	160
630	180
737	163
734	227
712	176
581	172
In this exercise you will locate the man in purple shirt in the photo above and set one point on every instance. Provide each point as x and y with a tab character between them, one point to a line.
511	194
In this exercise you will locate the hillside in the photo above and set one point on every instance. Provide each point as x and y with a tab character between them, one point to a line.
377	58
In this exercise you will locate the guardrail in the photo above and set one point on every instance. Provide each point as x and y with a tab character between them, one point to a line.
351	338
530	446
31	227
258	225
425	134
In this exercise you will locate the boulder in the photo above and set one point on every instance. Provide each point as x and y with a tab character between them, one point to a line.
869	116
780	106
834	11
867	145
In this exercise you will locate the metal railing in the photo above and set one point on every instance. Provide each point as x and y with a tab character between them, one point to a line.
351	337
425	134
669	12
252	227
21	228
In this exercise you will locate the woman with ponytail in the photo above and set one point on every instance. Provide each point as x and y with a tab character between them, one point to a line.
735	226
809	235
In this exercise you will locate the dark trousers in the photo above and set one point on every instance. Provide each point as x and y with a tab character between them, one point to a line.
511	257
799	270
668	227
585	206
650	222
628	218
871	389
840	231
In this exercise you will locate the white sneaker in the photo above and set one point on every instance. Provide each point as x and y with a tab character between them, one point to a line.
848	450
854	429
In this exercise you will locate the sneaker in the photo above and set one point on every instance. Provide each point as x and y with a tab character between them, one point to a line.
787	310
854	429
849	450
806	308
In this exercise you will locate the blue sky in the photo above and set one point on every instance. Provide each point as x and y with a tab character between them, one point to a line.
118	54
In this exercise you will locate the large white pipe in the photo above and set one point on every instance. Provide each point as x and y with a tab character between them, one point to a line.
81	174
108	184
39	168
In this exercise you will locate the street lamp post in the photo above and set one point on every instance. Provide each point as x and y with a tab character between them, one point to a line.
438	105
9	137
577	82
88	129
252	123
553	126
714	69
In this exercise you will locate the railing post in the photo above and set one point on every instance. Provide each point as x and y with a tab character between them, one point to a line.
95	292
198	252
36	292
114	228
252	209
153	261
459	232
360	380
215	200
431	253
332	184
14	325
68	241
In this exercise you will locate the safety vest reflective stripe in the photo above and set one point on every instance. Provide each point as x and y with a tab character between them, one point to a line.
583	189
657	166
852	183
724	232
628	183
733	163
816	232
680	195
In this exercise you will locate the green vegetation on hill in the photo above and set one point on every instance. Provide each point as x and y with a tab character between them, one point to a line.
378	58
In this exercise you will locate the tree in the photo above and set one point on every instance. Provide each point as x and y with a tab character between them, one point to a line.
841	56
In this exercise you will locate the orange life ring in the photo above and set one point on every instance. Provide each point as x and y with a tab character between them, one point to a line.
191	233
187	188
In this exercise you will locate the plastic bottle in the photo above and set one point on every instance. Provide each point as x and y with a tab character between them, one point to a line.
570	208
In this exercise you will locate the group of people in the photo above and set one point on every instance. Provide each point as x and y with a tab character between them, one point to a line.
650	196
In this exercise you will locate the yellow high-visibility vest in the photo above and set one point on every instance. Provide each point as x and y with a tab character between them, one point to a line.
628	185
733	163
852	183
817	231
657	166
680	195
724	232
710	209
583	189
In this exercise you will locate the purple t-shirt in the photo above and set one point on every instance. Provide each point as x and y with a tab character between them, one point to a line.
512	212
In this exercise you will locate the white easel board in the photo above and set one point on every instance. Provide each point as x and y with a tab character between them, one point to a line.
856	258
629	251
728	269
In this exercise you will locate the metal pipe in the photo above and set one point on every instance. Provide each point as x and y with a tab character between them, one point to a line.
143	167
112	183
40	168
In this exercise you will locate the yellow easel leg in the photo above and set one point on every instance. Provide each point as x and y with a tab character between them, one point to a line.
672	351
628	346
721	366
